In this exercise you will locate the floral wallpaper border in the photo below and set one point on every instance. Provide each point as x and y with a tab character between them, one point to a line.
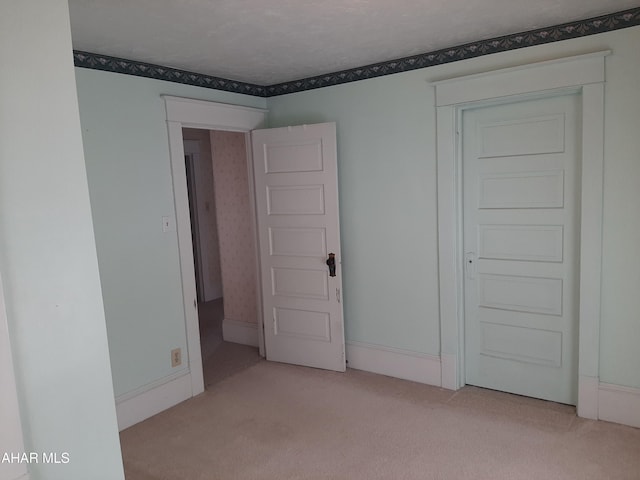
96	61
582	28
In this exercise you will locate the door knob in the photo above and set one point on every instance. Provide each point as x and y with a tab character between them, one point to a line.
331	262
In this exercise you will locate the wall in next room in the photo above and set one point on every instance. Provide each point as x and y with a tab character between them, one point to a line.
237	241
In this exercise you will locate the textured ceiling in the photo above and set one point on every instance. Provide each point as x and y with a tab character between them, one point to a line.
272	41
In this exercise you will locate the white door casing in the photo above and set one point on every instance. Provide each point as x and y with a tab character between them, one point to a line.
295	172
192	113
584	74
521	214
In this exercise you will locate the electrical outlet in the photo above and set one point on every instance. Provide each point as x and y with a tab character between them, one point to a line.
176	357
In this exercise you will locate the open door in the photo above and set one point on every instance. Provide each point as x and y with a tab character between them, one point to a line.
296	186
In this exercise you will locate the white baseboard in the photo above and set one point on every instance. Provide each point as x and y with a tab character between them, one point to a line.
449	365
394	362
240	332
588	397
619	404
145	402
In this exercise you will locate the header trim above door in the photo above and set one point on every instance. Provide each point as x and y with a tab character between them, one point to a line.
552	74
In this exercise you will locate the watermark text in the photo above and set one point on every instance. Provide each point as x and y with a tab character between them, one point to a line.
61	458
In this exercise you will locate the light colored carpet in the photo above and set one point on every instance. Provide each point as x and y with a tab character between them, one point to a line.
275	421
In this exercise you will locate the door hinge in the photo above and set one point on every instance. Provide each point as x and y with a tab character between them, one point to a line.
338	295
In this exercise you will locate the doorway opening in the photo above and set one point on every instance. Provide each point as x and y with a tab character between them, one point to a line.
314	197
224	247
190	113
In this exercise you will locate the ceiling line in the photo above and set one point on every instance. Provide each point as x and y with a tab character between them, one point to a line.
566	31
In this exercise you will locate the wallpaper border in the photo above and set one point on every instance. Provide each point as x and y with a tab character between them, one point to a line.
95	61
566	31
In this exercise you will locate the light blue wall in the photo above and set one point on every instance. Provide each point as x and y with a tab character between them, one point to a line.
387	189
387	168
386	142
620	332
47	253
126	148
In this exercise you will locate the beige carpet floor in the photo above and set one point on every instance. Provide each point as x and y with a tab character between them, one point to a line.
275	421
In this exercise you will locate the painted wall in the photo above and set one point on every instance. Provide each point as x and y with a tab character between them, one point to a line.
387	190
47	251
387	171
126	148
386	142
206	209
237	245
11	439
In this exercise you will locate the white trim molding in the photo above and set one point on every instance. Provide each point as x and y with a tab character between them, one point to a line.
521	79
619	404
147	401
240	332
583	74
449	371
192	113
394	362
588	397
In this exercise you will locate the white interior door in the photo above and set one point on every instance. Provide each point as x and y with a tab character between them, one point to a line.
295	172
521	233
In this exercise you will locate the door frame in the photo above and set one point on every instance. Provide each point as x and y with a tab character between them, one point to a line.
584	74
191	148
202	114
